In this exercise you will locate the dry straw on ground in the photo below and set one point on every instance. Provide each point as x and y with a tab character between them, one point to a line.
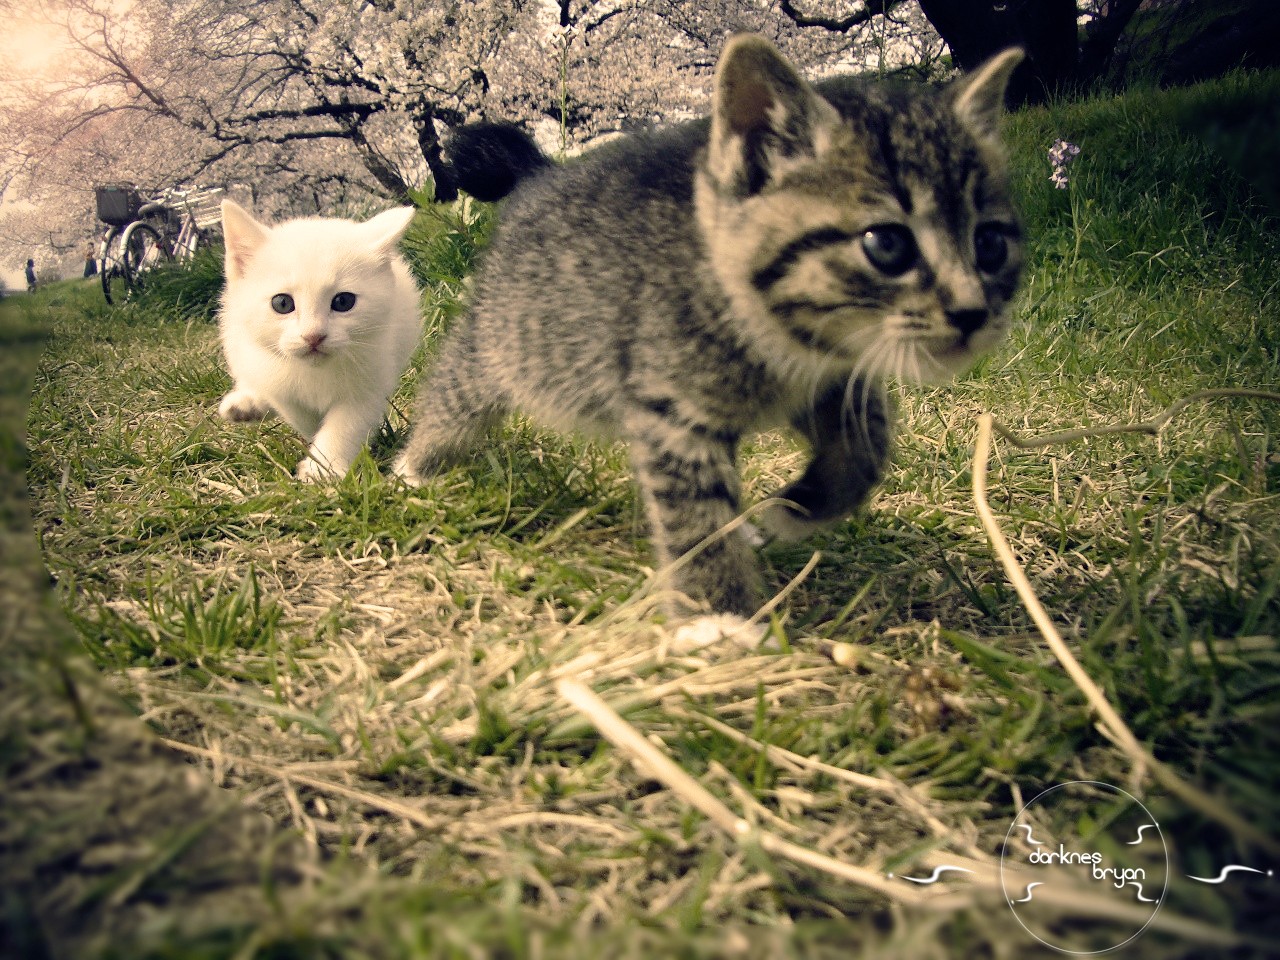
412	714
1072	898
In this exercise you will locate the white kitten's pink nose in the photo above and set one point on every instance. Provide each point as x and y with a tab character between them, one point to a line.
314	341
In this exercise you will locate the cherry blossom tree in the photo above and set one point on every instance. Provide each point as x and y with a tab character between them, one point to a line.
313	105
308	104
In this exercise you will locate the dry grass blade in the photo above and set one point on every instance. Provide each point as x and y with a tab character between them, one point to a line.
783	757
1151	426
385	804
982	874
773	603
1113	726
905	795
653	762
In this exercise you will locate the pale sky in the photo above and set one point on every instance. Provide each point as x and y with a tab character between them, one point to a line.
31	49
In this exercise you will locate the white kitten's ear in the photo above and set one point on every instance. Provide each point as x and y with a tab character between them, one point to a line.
243	235
980	100
763	115
385	230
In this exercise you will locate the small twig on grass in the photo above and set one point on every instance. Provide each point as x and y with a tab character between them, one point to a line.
786	758
1112	726
291	776
1152	427
772	603
659	766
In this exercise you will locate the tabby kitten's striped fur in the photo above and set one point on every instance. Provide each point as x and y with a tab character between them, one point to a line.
768	266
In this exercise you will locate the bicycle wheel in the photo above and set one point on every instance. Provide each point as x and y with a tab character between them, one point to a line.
111	267
143	249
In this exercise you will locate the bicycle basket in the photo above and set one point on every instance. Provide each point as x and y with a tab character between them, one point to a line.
205	206
118	204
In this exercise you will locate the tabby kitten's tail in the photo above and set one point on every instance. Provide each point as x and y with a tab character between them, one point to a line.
489	159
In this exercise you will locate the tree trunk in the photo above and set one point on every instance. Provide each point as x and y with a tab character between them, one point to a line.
387	178
975	30
1100	38
446	188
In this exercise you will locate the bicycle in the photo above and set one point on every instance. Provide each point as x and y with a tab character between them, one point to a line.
142	234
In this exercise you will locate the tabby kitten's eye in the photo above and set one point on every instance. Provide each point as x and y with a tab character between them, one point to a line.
990	248
342	302
890	248
282	303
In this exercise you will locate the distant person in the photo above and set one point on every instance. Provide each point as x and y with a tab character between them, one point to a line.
90	263
31	275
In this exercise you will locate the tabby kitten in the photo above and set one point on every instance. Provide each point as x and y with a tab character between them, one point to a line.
768	266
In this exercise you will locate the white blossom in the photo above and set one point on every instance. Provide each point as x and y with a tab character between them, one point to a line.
309	105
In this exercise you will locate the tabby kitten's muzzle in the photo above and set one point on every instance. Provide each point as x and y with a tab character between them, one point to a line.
968	322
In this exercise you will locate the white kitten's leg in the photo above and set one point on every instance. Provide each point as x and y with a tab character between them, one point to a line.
303	419
241	404
343	431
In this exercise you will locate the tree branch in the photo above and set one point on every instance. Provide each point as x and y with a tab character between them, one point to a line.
837	24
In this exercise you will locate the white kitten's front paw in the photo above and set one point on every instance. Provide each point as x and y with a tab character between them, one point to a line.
311	470
241	405
704	631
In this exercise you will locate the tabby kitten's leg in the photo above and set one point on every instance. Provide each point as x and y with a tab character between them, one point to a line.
849	431
689	483
450	418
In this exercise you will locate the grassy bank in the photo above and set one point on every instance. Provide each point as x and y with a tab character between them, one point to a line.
373	668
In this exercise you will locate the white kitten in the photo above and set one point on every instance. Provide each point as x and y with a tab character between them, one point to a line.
319	319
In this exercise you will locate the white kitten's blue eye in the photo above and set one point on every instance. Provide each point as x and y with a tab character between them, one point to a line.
891	249
342	302
282	303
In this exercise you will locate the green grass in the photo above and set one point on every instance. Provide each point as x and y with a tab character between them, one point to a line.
350	648
190	290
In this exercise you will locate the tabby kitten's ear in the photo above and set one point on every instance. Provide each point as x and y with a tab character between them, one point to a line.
763	115
980	97
243	236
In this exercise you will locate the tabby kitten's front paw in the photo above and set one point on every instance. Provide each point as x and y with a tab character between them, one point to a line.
242	405
404	468
705	631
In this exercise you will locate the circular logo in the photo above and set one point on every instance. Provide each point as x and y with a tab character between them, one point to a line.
1084	835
